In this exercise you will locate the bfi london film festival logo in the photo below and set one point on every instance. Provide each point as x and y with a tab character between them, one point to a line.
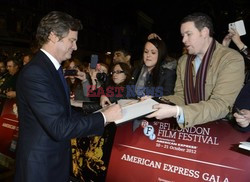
148	130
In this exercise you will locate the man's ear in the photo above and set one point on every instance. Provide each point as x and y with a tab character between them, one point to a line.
128	57
53	37
205	32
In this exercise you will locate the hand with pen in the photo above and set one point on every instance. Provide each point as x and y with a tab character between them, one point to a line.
112	113
146	97
242	117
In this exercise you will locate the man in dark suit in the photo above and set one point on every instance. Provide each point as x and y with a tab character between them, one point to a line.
47	122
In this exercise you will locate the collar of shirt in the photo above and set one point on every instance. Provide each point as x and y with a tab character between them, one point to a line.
52	59
197	63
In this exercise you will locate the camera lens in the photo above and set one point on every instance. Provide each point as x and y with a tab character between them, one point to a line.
102	77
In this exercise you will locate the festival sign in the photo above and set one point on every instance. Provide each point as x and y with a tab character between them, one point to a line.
161	151
8	132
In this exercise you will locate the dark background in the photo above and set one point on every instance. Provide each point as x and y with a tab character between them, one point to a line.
108	24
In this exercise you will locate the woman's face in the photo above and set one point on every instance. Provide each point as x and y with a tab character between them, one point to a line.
150	55
117	75
72	66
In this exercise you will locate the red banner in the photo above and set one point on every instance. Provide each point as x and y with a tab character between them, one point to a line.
158	151
8	132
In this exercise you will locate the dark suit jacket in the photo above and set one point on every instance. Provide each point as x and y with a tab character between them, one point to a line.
243	102
47	123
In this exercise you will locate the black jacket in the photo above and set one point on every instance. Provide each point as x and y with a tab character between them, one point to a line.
167	78
243	102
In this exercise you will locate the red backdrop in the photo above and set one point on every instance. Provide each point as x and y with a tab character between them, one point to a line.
8	132
160	152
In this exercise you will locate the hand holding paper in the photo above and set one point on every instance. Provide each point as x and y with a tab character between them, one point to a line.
163	111
132	108
112	112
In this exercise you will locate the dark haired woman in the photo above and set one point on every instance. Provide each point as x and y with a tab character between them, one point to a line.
116	90
155	77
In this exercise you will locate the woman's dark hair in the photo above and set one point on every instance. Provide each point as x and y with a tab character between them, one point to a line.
79	65
57	22
127	71
77	62
162	53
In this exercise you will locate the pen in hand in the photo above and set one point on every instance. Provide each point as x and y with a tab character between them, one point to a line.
239	112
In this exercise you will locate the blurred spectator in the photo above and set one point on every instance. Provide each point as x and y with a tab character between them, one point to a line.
27	58
98	76
3	68
75	76
234	36
3	71
116	89
95	85
8	88
122	55
153	36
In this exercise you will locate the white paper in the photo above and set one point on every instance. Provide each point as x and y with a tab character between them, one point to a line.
134	109
244	145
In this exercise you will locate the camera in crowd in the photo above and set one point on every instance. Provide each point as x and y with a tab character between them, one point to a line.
101	77
70	72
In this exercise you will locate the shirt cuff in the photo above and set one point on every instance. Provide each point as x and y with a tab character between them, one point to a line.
105	120
180	115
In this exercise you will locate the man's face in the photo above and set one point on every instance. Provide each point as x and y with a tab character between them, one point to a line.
193	39
66	46
119	57
26	59
2	67
12	68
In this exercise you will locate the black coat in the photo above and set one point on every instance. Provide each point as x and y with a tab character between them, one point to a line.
167	78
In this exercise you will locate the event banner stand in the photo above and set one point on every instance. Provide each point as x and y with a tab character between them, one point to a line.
160	151
8	137
90	156
8	132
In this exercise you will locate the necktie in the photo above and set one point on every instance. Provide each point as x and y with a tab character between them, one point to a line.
65	85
